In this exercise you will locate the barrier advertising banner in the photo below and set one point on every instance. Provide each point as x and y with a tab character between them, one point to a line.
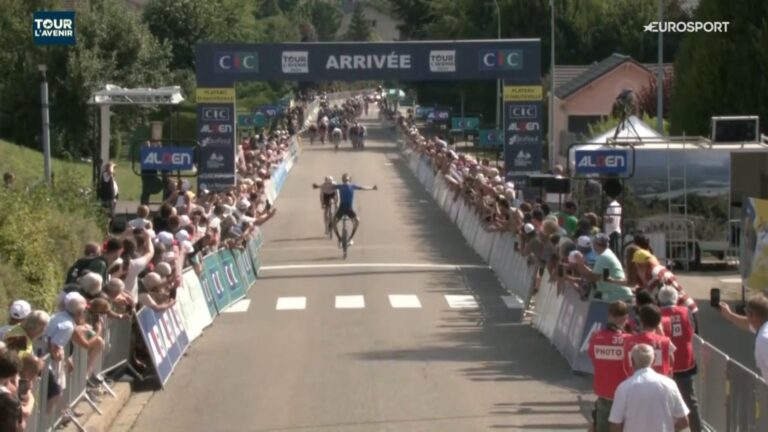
194	305
754	244
217	284
243	260
166	339
234	283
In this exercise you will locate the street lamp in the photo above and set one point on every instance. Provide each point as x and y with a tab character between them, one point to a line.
660	77
498	80
552	149
46	132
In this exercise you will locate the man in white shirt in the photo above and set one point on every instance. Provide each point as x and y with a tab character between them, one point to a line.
612	224
756	321
647	401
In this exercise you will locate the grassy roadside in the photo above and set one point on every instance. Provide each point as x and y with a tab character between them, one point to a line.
27	165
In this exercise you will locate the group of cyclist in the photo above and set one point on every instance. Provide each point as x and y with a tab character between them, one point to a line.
343	195
339	123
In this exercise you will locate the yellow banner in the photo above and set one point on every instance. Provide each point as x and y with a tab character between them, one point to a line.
215	95
523	93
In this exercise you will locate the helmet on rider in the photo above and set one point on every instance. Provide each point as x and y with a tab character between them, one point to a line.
328	179
346	178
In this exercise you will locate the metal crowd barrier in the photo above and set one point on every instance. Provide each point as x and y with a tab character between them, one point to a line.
731	397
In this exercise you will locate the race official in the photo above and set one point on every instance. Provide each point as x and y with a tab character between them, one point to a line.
606	350
679	328
650	318
647	401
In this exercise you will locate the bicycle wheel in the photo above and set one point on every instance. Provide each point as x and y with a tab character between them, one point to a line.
344	239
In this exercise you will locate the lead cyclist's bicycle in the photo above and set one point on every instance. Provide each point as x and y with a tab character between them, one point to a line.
330	211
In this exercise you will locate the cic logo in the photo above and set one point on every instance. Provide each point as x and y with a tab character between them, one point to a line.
237	62
501	60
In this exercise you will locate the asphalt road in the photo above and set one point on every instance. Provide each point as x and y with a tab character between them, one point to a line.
323	345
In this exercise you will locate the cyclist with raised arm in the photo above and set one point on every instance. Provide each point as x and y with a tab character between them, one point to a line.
328	194
346	205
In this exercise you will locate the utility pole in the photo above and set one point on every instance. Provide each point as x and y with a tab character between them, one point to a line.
46	132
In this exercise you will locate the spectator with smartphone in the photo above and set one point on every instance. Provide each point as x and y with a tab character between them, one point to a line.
756	321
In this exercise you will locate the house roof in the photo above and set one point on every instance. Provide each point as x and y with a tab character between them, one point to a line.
571	78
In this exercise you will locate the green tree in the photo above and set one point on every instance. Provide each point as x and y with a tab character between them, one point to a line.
184	23
414	16
324	16
722	73
359	26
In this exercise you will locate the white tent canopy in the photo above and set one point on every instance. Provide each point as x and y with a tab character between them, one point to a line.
632	131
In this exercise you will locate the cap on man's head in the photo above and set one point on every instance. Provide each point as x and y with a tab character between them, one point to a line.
584	242
601	239
19	309
182	235
165	238
574	256
164	269
529	228
642	256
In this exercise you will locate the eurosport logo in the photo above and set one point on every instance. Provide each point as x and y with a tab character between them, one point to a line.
523	112
501	59
442	61
237	62
295	62
687	27
222	128
216	114
54	28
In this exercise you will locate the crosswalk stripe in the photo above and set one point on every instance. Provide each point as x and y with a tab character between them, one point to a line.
241	306
350	302
400	301
291	303
461	301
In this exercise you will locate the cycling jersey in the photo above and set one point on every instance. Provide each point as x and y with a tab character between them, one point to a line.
346	194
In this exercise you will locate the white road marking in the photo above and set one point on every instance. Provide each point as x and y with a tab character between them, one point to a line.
241	306
461	301
388	164
291	303
399	301
423	201
731	280
512	302
425	266
350	302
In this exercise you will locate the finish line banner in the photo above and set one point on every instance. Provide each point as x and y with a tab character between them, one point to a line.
515	60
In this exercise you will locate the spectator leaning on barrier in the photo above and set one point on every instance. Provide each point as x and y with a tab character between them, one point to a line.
606	350
650	317
59	334
756	322
647	401
21	337
16	313
679	328
609	289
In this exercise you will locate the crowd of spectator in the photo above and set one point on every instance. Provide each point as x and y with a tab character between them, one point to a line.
138	265
648	338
